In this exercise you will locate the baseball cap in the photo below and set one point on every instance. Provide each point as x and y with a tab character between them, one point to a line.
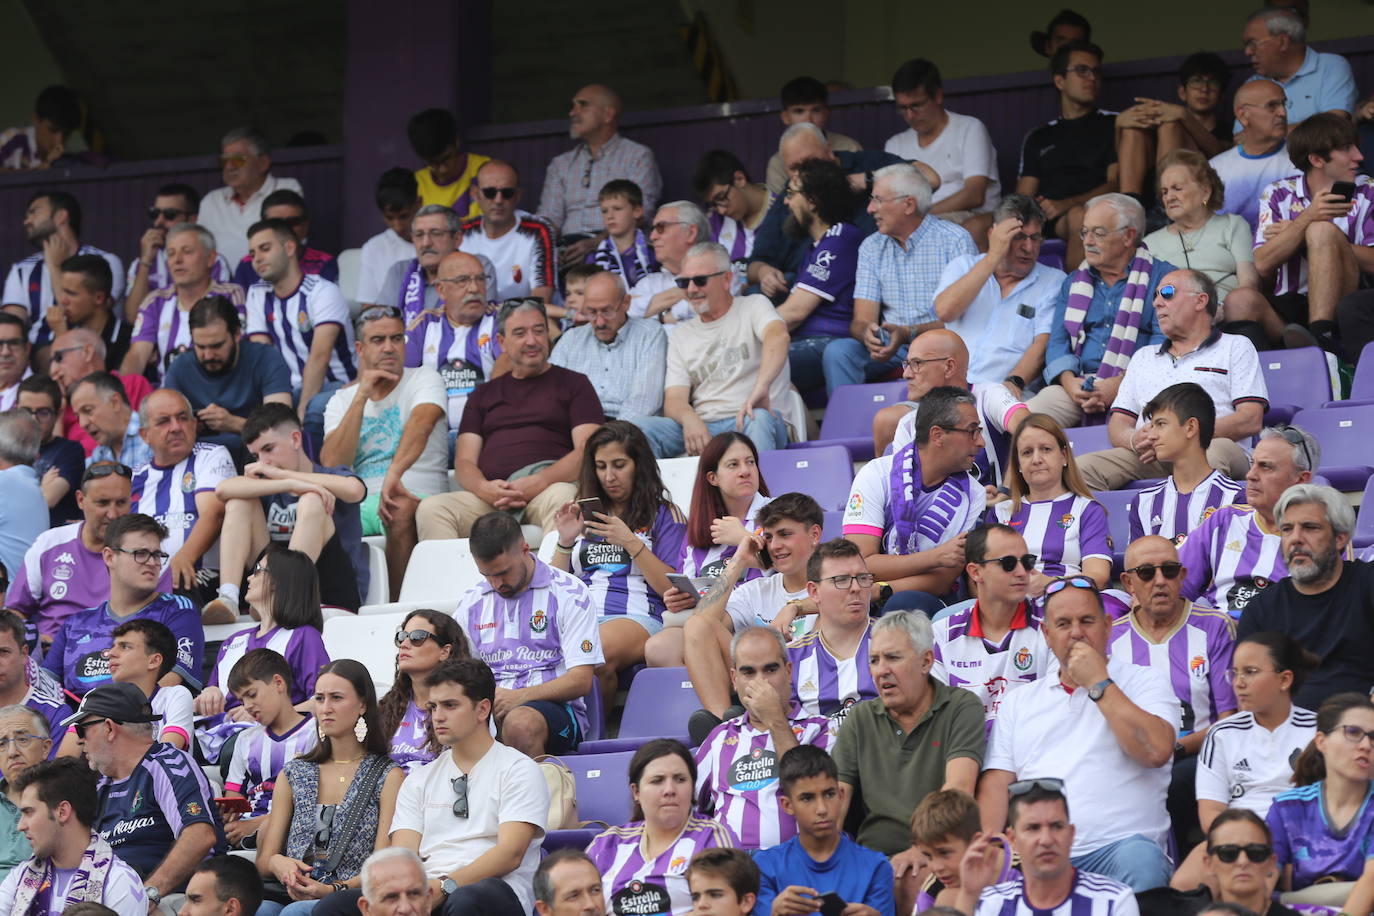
124	703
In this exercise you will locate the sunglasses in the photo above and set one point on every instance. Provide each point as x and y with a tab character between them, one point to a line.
171	214
1168	291
699	281
59	355
1293	436
416	637
1008	563
80	727
104	469
460	804
1058	585
1045	784
237	161
506	193
1230	852
1146	571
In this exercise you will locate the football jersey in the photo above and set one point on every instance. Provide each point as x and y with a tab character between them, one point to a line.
996	406
825	685
1230	558
162	322
828	271
290	325
614	582
463	355
1305	839
1195	657
409	744
77	654
258	757
169	494
60	577
1245	765
888	501
523	256
29	283
657	887
1091	895
302	647
965	657
709	562
1164	511
1062	532
160	276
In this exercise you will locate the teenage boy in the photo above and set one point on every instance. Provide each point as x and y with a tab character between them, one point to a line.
1180	420
805	100
143	652
942	827
625	250
724	882
820	859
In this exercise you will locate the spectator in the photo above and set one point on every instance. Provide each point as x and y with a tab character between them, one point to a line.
723	882
101	405
1123	721
520	442
829	674
60	460
1066	26
574	179
14	357
1002	303
1234	554
425	639
1179	422
58	807
1323	602
540	706
1312	241
624	358
388	427
735	206
134	561
229	211
1260	156
705	394
24	683
289	207
155	804
162	330
819	860
625	250
77	354
23	511
56	113
142	653
943	826
84	301
25	732
956	146
394	884
449	176
1275	41
409	283
899	270
939	732
52	224
223	886
1068	162
623	545
1240	880
1088	350
637	860
805	100
149	271
285	498
398	199
727	494
567	883
519	244
678	227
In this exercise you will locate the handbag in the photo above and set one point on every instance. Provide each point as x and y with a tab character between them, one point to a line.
562	793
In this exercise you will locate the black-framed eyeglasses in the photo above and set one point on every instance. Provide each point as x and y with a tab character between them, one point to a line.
42	414
1294	436
723	197
13	343
914	364
699	280
1354	734
1230	852
143	556
1044	784
104	469
416	637
1008	563
1058	585
22	741
1146	571
1082	70
506	193
460	804
973	431
57	355
171	214
378	312
844	581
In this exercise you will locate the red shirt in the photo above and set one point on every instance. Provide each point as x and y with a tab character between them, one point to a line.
135	386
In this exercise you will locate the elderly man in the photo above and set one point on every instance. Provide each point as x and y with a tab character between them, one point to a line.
14	357
409	284
676	228
899	270
518	244
77	354
1095	717
398	198
1002	303
1104	313
573	180
520	443
1275	41
1225	365
706	391
227	212
26	735
568	883
1260	156
84	301
23	511
102	407
161	331
289	207
223	886
394	884
624	358
174	203
1324	603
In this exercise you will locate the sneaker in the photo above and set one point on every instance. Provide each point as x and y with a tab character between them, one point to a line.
700	724
218	611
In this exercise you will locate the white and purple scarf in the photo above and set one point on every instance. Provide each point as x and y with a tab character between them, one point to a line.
922	518
1126	325
33	896
412	292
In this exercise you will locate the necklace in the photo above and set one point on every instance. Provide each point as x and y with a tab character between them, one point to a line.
344	777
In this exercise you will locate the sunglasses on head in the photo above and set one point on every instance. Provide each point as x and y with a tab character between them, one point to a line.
699	281
1230	852
378	312
1146	571
1008	563
1058	585
1045	784
170	214
1293	436
416	637
506	193
106	469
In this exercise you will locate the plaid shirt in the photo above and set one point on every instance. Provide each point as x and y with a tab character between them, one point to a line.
574	180
902	279
627	373
1286	198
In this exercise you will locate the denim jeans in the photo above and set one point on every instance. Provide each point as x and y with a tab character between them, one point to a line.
1135	861
846	362
665	435
805	357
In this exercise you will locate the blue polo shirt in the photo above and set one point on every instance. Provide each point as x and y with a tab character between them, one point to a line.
1059	356
23	515
1323	83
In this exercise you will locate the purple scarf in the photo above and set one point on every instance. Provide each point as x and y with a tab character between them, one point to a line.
1126	325
412	292
922	519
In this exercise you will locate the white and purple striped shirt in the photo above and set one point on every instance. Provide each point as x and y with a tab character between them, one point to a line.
997	407
1194	656
29	284
1091	895
909	517
636	886
537	635
825	685
1286	198
169	494
463	355
737	776
290	325
302	647
964	657
1063	531
1230	559
60	577
258	757
409	746
163	323
614	581
1164	511
709	562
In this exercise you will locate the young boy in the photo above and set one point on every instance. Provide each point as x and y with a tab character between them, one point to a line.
143	651
574	288
262	680
942	827
820	859
449	175
625	250
724	882
1181	419
805	99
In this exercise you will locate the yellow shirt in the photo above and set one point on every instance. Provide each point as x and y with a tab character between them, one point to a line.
461	195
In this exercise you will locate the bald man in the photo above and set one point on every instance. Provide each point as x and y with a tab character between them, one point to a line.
519	244
625	358
1260	155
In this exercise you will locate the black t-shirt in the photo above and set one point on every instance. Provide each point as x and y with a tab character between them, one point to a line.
1070	156
1337	625
70	460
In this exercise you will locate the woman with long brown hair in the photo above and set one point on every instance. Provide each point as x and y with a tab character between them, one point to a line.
425	638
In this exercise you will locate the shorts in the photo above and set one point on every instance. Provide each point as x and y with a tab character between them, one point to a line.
367	512
564	733
1291	307
653	625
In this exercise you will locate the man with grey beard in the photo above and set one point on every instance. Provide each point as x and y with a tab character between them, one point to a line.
1327	601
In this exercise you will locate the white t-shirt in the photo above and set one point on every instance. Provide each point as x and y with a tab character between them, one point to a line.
719	360
378	254
230	221
175	707
505	786
1223	242
963	150
757	602
380	433
999	330
518	256
123	891
1244	765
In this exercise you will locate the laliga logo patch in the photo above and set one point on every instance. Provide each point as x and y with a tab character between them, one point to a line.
856	502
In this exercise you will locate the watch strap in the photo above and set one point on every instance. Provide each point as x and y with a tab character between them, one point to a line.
1096	691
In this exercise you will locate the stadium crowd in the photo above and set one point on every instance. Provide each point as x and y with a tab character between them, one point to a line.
963	696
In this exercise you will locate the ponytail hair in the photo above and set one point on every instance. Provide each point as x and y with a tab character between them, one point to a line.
1287	655
1311	765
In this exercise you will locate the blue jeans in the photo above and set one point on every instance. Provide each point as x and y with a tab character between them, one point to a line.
806	358
846	362
1136	861
314	415
665	435
914	601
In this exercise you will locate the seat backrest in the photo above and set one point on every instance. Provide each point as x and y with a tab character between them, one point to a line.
1296	378
824	473
349	263
1362	385
368	639
439	570
659	702
1118	505
603	786
1345	434
1364	519
679	476
850	409
1087	439
379	585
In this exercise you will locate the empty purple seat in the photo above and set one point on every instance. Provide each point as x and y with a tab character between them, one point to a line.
1052	253
1296	379
1362	385
603	794
834	524
1364	521
658	706
848	419
1346	435
1087	439
1118	504
824	474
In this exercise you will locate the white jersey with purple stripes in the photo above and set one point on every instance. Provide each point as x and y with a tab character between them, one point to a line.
537	635
259	754
463	355
1230	558
737	776
169	494
160	277
996	407
290	324
825	685
302	647
1164	511
910	518
635	886
709	562
1245	765
1091	895
410	744
164	323
965	657
616	585
1195	656
29	283
1062	532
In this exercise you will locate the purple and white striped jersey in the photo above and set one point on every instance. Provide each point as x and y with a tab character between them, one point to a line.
60	577
1091	895
258	757
45	697
537	635
162	322
1063	531
463	355
657	887
1164	511
169	494
1230	559
1194	656
964	657
1286	198
825	685
290	325
29	284
709	562
77	654
889	502
160	277
302	647
997	406
408	745
737	776
614	581
19	148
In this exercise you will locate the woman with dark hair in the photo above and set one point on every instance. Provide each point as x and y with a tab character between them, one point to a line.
624	548
424	639
1240	858
645	856
332	808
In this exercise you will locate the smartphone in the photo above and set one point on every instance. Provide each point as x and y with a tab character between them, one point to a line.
589	506
685	585
234	803
1346	190
832	904
884	336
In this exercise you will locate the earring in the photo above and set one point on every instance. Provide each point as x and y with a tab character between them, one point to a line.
322	734
360	729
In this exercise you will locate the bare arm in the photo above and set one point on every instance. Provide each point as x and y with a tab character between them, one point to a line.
1245	422
54	487
136	358
317	363
866	312
1121	430
571	684
190	849
992	799
341	444
346	487
1032	362
969	197
961	773
1207	811
1028	185
387	809
798	307
772	359
413	437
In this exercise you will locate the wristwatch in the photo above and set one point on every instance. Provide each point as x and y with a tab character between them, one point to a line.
153	894
1096	690
1016	380
448	886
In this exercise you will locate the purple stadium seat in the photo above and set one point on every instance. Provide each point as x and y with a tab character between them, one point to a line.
1362	385
1364	521
848	419
603	794
1086	439
824	474
596	715
1052	253
834	523
658	705
1296	379
1345	434
1118	504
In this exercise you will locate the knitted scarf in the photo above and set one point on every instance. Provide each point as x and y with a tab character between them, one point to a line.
33	895
1126	325
412	291
922	519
